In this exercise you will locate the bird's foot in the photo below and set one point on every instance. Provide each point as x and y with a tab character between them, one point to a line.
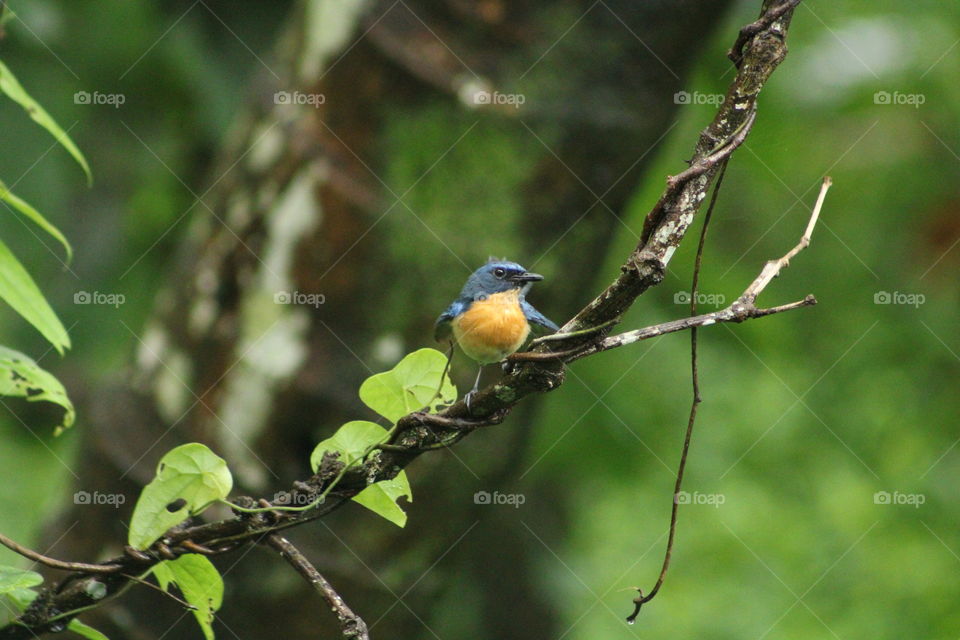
469	397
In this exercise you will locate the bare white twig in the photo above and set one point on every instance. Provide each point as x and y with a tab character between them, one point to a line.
772	269
743	308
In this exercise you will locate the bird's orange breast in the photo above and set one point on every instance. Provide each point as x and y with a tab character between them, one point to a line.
493	328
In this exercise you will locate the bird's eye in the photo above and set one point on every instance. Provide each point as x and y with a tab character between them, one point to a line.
499	272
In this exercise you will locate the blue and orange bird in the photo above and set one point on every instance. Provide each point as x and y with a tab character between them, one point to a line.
491	317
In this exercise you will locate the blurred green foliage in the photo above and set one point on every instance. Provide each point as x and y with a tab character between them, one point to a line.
807	416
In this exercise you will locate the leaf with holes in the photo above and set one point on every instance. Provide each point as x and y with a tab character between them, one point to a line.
189	478
410	385
199	582
21	377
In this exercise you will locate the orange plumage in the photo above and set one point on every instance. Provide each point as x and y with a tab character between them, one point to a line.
492	328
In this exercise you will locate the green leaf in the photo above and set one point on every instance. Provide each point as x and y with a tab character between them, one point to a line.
409	386
21	377
13	579
198	581
189	478
15	91
20	599
19	290
85	630
381	498
24	207
351	440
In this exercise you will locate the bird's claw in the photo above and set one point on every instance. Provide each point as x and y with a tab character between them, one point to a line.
468	397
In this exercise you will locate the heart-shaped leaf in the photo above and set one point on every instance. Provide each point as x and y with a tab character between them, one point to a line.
189	478
381	498
410	385
199	582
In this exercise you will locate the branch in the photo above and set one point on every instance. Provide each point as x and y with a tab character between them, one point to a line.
762	47
57	564
743	308
351	625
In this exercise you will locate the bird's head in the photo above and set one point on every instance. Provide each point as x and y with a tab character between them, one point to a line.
497	276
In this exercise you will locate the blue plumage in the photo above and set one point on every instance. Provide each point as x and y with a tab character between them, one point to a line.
491	317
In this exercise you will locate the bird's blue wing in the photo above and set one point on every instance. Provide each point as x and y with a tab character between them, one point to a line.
535	317
442	328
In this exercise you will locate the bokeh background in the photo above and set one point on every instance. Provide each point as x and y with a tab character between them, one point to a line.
823	474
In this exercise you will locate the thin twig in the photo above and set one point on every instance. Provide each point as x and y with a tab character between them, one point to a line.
57	564
695	402
772	268
555	337
721	154
172	596
351	625
741	309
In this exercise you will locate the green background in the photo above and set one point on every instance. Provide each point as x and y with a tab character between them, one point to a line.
806	415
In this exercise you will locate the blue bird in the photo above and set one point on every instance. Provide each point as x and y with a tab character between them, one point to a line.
491	317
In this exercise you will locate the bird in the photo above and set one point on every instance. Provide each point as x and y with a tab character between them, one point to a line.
491	317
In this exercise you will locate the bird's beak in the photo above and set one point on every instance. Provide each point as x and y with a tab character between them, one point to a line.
526	276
